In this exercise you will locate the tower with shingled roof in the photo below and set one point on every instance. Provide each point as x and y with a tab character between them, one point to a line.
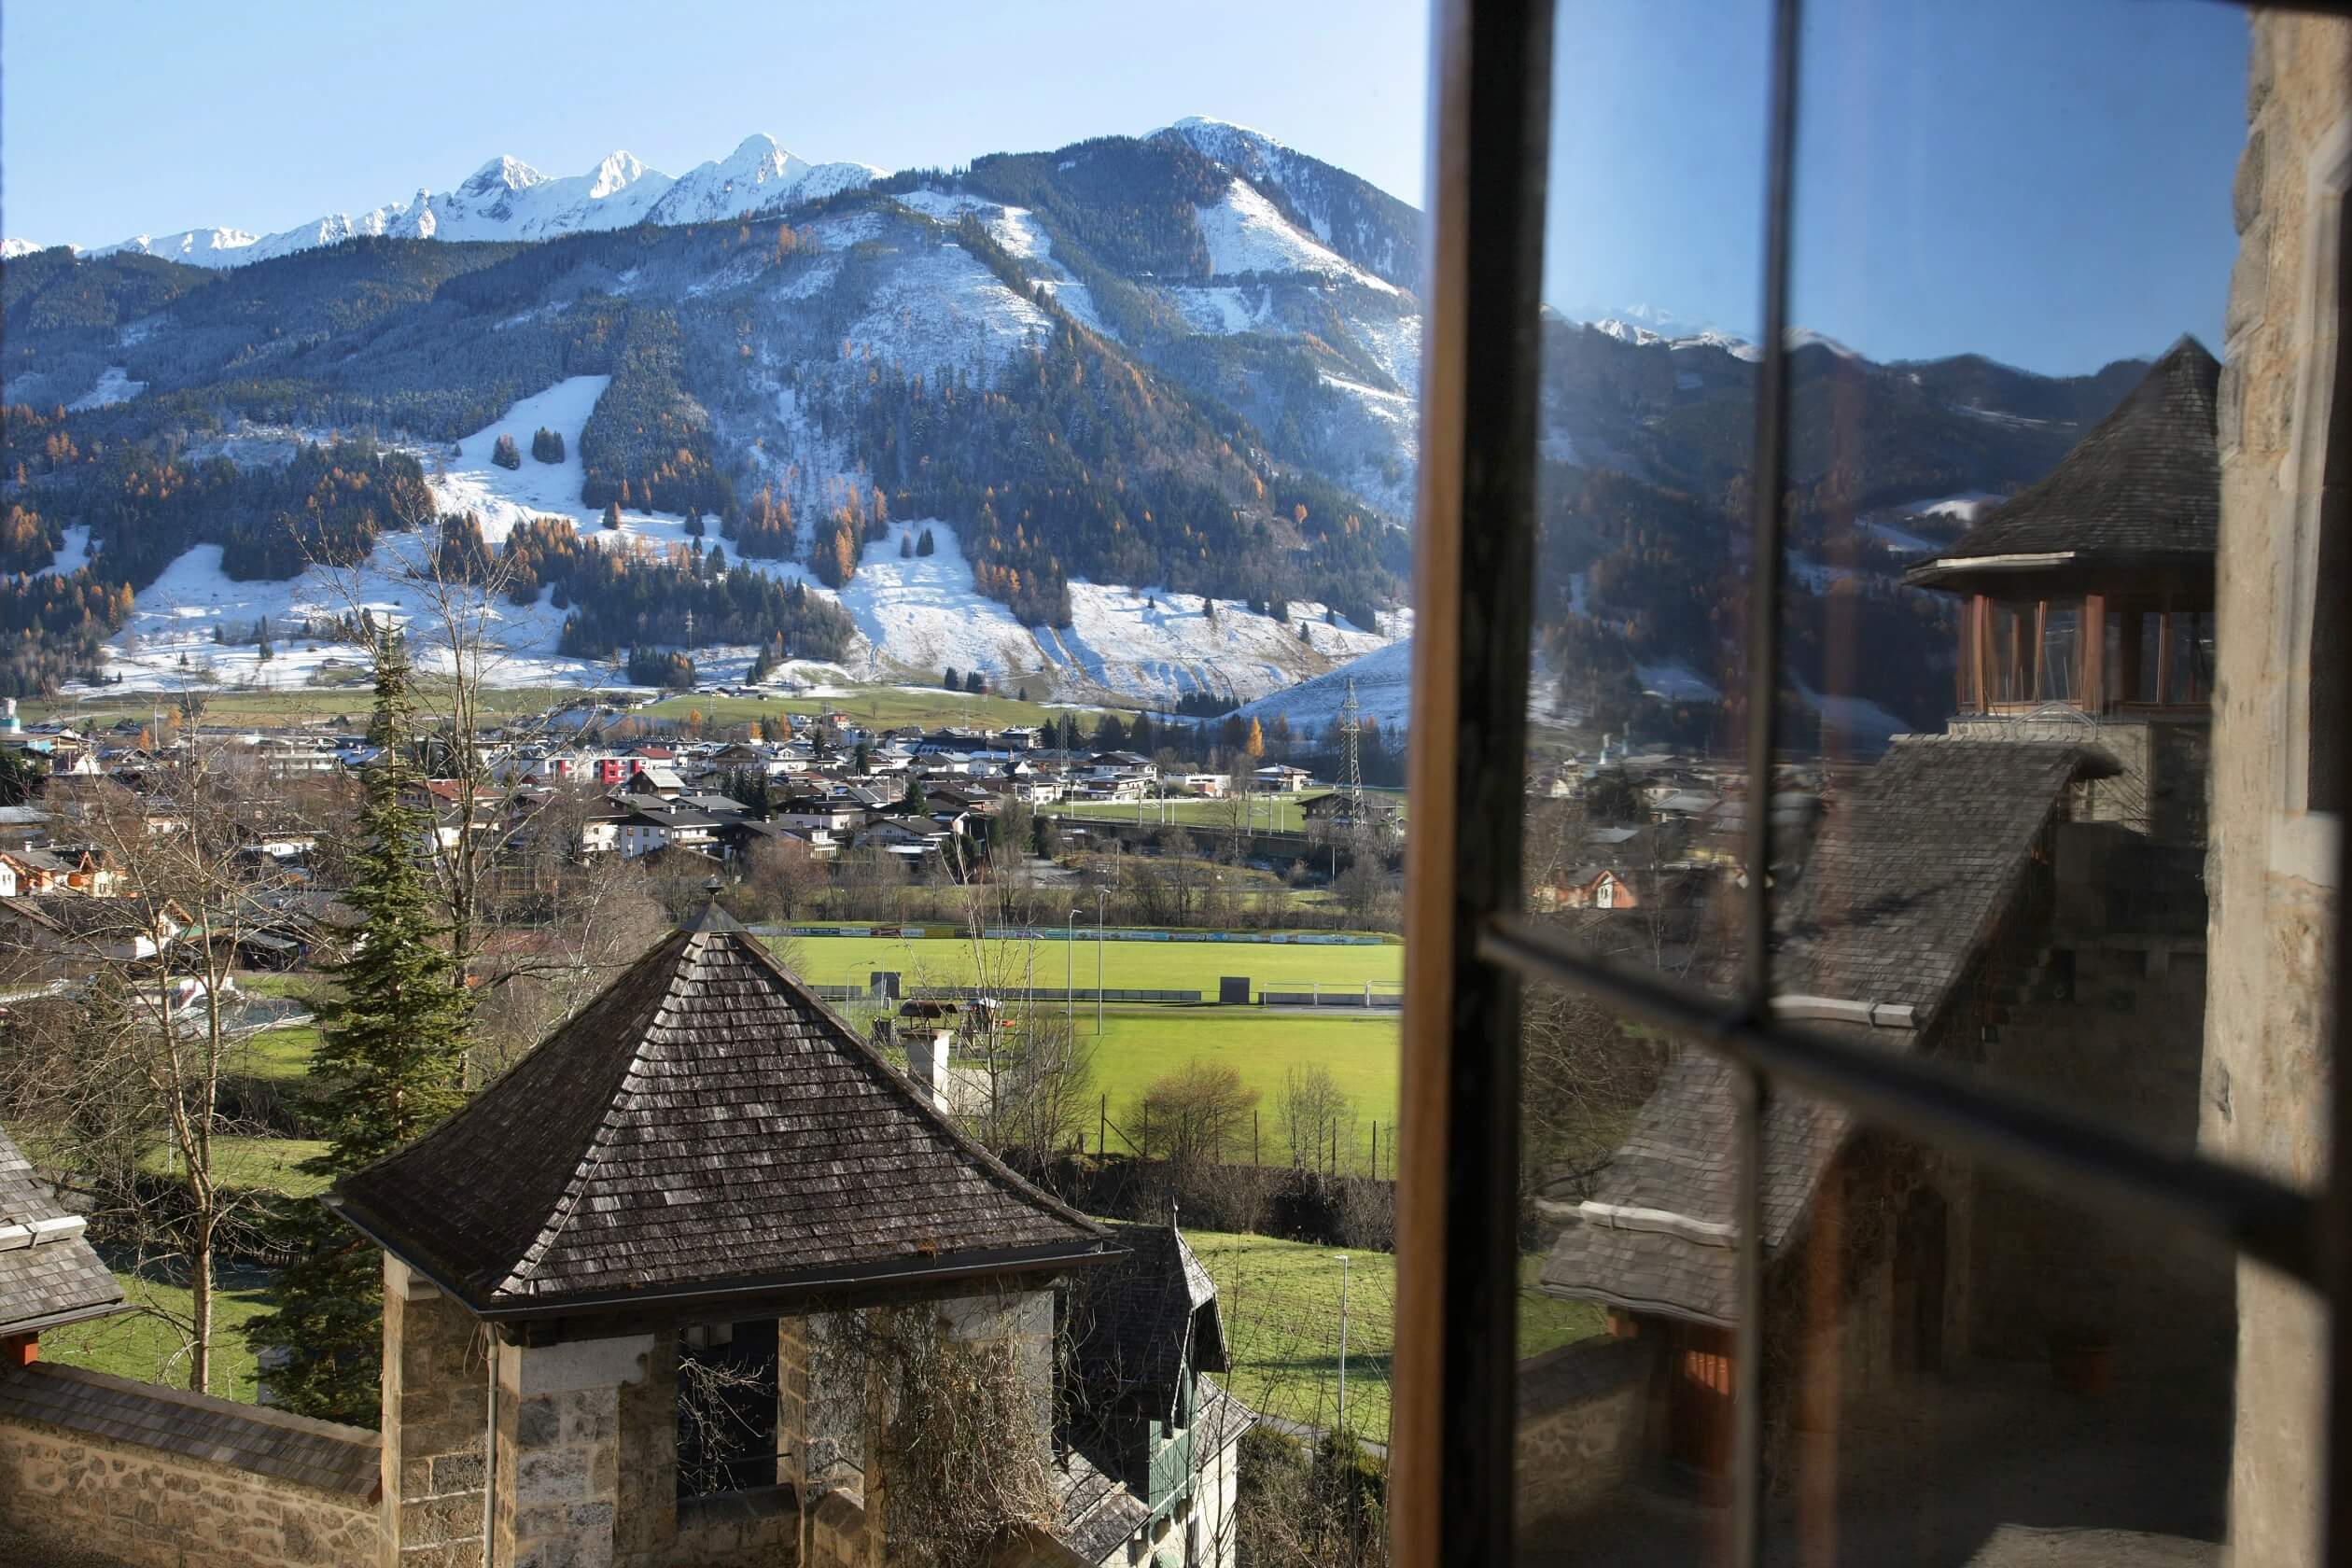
701	1167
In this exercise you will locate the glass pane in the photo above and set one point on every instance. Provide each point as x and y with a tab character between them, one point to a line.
1627	1294
2004	449
1638	800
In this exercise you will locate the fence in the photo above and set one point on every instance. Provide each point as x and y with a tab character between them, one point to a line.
999	993
1084	932
1358	995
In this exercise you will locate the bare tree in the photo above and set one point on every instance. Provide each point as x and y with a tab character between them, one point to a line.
1190	1116
1313	1114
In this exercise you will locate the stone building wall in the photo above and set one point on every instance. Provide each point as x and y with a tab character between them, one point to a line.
79	1480
2271	868
436	1416
1580	1414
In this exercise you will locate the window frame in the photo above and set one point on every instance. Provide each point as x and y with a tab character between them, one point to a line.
1470	950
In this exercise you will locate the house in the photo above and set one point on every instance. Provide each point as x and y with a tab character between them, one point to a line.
1590	887
76	930
568	1253
48	1275
1280	778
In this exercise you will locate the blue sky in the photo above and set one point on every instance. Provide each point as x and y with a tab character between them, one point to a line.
2047	183
2044	183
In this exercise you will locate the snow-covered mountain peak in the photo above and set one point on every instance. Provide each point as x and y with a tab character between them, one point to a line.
617	170
11	248
501	173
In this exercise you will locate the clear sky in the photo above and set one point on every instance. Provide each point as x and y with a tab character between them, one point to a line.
2044	183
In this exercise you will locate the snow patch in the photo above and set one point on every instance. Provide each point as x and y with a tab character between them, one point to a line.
115	386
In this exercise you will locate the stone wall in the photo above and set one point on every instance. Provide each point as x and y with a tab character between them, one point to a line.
435	1416
1580	1413
158	1503
2271	870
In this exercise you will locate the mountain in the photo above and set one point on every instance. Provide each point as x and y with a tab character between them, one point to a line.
1132	418
507	199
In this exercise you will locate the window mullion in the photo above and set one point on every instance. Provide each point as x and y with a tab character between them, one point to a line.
1770	467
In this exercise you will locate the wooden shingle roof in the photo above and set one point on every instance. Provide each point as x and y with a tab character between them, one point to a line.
48	1275
1138	1324
705	1127
1907	886
2140	493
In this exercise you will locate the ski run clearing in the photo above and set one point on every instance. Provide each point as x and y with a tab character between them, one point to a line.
916	615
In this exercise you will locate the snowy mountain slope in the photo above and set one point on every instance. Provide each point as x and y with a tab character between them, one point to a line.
1361	222
10	249
1383	690
507	199
917	615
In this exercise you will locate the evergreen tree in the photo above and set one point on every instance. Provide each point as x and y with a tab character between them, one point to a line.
923	545
977	683
506	453
392	1060
861	760
612	514
907	547
953	681
693	524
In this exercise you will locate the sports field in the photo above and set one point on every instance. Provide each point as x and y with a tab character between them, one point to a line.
1156	966
1138	1046
1283	813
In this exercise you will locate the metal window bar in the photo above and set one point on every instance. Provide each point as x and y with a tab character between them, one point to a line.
1450	1482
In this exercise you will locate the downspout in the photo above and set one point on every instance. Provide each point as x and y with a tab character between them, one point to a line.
490	1455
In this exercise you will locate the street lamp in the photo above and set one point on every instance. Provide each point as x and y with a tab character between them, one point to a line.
1343	1339
1070	957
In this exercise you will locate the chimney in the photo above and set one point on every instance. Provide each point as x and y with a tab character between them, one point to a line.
927	1060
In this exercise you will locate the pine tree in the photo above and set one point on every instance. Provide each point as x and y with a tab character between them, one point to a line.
392	1058
923	545
504	453
693	524
907	547
612	514
953	682
977	683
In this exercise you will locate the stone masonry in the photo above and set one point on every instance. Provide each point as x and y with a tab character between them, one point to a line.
435	1416
2270	871
194	1491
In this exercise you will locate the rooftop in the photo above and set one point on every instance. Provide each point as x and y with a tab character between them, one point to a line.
705	1127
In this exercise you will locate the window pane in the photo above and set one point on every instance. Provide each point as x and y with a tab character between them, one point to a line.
1627	1360
1638	802
1637	799
2003	451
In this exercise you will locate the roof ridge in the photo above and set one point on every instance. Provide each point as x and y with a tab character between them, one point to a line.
616	1105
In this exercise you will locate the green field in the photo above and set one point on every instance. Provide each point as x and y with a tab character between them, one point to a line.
891	706
1154	966
146	1343
1279	1303
271	1164
1283	813
1139	1046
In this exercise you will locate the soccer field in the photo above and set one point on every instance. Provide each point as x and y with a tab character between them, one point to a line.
1137	1047
1153	966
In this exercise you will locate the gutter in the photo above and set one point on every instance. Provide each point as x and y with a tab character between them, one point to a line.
964	1265
1831	1010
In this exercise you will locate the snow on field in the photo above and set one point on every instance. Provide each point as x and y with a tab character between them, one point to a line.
924	613
1246	234
1675	681
115	386
943	307
1226	311
501	498
1383	688
71	554
1146	641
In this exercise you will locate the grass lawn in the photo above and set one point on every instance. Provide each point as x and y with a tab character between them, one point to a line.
146	1343
282	1056
890	705
1361	1052
1157	966
270	709
270	1163
1279	1301
1267	812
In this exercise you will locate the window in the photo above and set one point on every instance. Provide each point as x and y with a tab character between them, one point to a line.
1938	1085
727	1403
